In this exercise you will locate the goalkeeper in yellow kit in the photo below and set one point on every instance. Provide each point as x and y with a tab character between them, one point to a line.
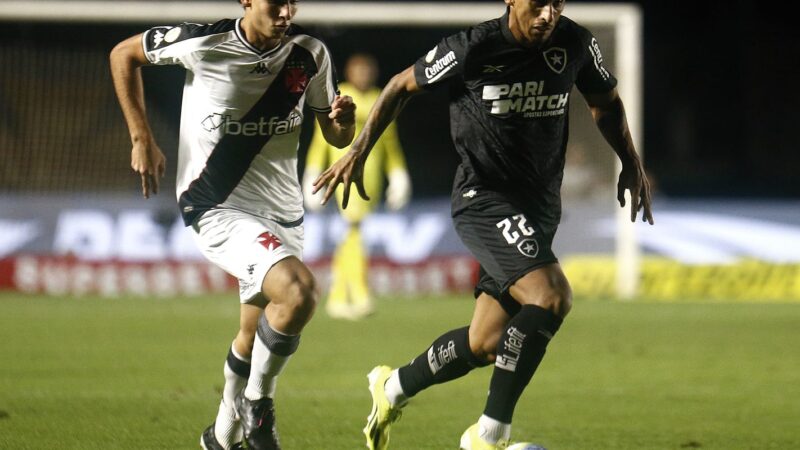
349	296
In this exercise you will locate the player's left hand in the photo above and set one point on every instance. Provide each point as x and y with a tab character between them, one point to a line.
343	111
634	179
349	169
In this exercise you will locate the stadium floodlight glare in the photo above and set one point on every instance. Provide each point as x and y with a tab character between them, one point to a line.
625	19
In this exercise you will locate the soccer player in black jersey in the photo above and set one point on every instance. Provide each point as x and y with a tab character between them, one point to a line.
508	82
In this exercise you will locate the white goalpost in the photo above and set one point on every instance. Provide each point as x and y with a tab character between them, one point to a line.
624	19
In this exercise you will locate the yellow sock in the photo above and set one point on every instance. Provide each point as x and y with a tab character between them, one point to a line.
357	268
337	296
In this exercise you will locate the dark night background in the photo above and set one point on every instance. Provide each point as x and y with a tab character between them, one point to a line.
720	101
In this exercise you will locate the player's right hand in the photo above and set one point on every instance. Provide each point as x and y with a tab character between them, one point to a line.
348	169
149	162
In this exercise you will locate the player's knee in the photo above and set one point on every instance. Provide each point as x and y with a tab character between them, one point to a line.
484	353
301	296
552	293
484	347
559	301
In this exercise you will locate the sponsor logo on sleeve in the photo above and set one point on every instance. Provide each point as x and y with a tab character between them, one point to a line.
172	35
431	55
441	66
594	49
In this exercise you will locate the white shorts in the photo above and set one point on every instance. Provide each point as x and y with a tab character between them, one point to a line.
246	246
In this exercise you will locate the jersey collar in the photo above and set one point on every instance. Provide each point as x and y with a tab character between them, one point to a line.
243	40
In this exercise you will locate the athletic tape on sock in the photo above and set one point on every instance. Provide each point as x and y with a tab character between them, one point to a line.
277	343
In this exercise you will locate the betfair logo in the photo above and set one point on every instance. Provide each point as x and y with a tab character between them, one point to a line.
261	68
264	126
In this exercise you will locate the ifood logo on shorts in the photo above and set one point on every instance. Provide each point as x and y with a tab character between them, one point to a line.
264	126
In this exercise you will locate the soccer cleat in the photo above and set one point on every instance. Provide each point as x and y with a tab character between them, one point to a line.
471	440
383	414
209	441
258	423
362	308
338	310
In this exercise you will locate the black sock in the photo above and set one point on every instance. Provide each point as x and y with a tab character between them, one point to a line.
448	358
238	366
519	352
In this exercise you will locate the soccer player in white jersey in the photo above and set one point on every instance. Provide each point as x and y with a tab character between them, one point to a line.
246	83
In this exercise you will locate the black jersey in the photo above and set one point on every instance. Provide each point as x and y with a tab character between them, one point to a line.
509	108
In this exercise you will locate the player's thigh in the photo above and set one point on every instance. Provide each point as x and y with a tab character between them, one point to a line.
508	243
486	328
546	287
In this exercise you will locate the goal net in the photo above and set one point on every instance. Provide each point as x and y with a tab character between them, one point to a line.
61	129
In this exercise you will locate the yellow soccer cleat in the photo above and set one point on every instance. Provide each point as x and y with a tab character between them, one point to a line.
383	414
471	440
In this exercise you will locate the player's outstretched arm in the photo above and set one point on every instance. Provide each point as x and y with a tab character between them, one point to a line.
146	157
609	115
350	167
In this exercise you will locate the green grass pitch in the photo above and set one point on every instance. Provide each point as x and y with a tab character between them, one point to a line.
138	373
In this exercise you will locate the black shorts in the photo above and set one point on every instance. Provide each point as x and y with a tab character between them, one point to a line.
507	242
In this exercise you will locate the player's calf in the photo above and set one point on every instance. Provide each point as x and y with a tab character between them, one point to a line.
449	357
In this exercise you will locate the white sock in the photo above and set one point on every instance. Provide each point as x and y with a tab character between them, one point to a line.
266	365
234	383
492	431
394	391
226	427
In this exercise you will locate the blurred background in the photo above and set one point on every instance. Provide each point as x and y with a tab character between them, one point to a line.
717	119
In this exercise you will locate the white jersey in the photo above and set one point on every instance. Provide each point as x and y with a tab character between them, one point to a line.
241	115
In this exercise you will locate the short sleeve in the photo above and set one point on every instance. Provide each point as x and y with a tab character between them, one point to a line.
164	45
323	87
593	78
442	63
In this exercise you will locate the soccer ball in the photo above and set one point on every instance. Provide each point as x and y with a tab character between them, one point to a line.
525	446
